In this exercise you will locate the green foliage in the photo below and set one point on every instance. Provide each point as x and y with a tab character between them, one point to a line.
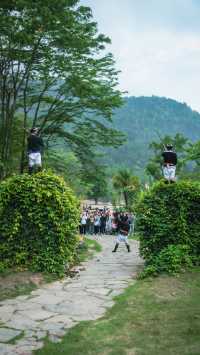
127	184
194	152
54	70
89	181
97	183
66	164
154	166
86	249
171	259
168	221
158	317
39	216
140	118
193	161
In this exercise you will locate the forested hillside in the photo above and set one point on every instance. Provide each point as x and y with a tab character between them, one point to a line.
144	119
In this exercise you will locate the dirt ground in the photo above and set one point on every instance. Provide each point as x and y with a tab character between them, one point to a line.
15	283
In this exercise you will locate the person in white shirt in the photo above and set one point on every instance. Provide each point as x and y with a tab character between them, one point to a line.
83	223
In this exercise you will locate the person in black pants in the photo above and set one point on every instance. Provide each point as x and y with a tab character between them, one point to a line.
123	230
103	223
35	146
169	164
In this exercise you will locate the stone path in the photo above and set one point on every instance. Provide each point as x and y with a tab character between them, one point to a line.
52	309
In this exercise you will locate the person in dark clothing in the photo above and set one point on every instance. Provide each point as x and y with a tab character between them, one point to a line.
103	223
169	164
35	146
123	228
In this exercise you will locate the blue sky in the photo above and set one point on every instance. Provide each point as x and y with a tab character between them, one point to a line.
156	45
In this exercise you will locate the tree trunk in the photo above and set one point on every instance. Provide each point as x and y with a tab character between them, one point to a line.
125	198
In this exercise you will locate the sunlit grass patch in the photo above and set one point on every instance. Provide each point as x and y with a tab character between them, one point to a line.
158	316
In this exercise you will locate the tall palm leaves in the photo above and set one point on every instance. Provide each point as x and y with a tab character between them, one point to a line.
127	184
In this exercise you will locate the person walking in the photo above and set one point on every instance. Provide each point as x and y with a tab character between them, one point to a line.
35	146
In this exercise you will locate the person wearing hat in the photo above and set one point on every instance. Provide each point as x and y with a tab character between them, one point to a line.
169	164
34	146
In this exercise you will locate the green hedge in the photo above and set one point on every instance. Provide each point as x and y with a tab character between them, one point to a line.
169	223
39	217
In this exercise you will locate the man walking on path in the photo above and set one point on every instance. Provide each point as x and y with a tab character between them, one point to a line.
35	147
123	230
169	164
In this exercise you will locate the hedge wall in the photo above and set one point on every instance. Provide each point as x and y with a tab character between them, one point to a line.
169	225
39	217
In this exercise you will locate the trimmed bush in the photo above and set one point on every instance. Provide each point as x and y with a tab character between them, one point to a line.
169	225
39	217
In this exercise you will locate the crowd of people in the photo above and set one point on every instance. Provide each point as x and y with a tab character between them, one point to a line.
103	221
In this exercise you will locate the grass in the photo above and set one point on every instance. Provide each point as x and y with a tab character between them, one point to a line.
158	316
15	283
87	249
18	290
18	281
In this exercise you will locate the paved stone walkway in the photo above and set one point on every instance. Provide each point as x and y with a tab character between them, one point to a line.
52	309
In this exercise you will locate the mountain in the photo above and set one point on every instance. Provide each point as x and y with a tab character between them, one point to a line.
143	120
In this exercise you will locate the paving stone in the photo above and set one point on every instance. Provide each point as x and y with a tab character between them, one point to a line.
58	333
22	298
58	306
63	319
51	327
98	291
7	349
57	285
6	313
50	299
7	334
25	347
21	322
25	306
30	333
54	339
36	314
40	334
24	350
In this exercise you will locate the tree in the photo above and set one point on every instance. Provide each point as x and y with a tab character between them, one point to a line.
179	142
127	184
192	160
139	118
98	186
65	164
193	153
55	74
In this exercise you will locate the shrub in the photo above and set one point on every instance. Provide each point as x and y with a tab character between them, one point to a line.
39	216
171	259
169	216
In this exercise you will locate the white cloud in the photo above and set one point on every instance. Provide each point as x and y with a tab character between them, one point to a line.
157	52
